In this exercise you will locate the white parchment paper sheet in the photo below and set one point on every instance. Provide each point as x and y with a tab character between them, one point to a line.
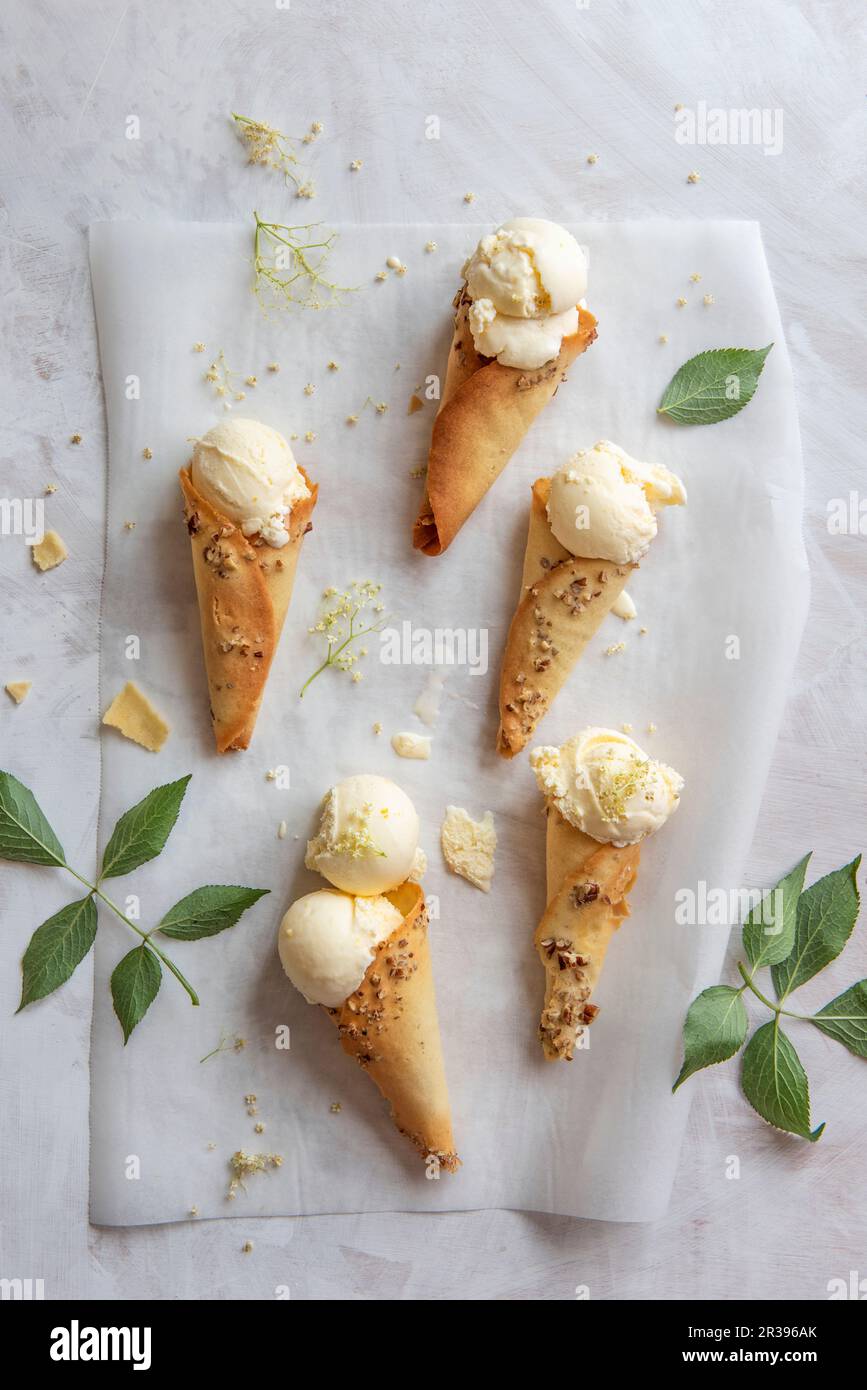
597	1138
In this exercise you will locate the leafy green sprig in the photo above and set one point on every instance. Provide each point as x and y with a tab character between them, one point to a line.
61	943
794	932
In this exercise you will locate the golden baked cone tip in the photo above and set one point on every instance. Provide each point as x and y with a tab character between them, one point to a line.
485	411
390	1026
244	591
588	885
564	599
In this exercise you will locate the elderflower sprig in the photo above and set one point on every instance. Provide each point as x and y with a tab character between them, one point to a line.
342	626
289	265
273	148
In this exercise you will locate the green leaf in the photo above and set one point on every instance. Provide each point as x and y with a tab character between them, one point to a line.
714	1029
25	835
775	1083
827	912
769	931
845	1018
141	832
56	948
713	385
208	910
135	984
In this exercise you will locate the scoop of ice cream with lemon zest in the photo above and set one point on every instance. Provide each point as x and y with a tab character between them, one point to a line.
367	842
602	503
605	785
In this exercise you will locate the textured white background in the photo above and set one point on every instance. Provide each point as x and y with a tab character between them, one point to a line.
521	102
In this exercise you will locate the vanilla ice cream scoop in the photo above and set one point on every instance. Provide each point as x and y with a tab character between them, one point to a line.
327	940
605	785
367	841
248	472
524	343
603	503
528	268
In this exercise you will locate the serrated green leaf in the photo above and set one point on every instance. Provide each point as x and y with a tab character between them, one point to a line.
713	385
135	983
775	1083
25	835
208	910
141	832
769	931
714	1029
845	1018
827	912
56	948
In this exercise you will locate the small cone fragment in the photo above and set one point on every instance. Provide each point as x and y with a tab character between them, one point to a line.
564	600
390	1026
588	884
244	592
485	411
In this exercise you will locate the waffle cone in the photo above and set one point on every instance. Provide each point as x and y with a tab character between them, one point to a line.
564	600
244	593
390	1026
485	411
588	884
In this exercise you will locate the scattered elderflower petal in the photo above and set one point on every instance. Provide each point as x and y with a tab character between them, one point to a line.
430	246
651	728
695	277
592	159
273	366
75	438
377	728
339	624
309	389
615	648
333	367
680	301
258	1127
356	165
310	436
247	1247
281	830
49	488
381	275
708	299
693	176
129	525
147	453
274	149
663	337
194	1211
251	381
198	347
642	631
352	419
469	197
336	1107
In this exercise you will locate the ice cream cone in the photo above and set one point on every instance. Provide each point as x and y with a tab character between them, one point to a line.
390	1026
244	592
588	883
564	600
484	413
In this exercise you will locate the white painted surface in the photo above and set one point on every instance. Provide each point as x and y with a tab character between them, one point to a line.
520	107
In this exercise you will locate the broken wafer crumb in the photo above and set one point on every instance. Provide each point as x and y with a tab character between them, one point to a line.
133	715
19	690
468	846
282	828
50	552
409	745
415	403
